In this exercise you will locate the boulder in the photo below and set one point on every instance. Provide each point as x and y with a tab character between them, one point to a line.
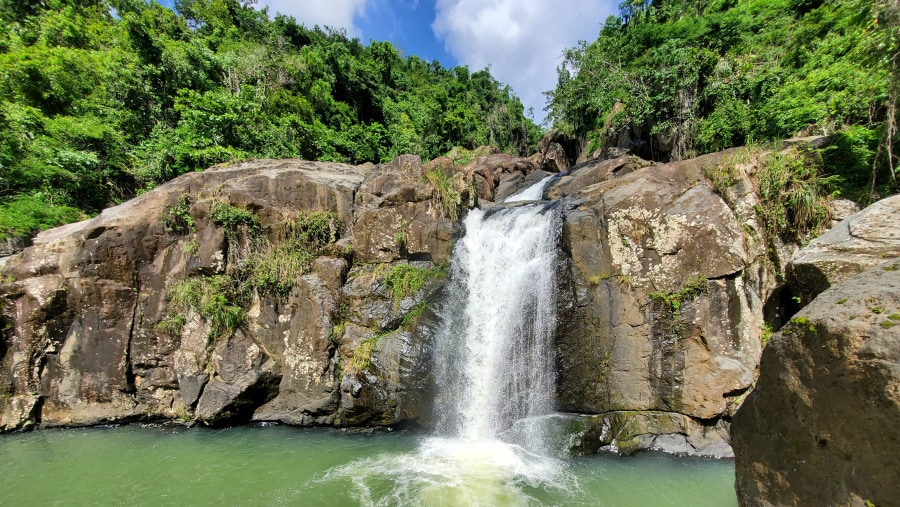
664	311
556	152
820	426
858	242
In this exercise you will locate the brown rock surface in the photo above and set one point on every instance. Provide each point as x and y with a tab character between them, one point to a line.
820	426
855	244
90	335
640	237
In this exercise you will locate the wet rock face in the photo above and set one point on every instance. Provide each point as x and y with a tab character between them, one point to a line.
663	310
820	426
91	333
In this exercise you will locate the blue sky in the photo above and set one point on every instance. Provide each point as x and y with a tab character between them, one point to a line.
521	41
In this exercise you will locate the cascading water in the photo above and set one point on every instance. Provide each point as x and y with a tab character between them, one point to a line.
494	361
494	354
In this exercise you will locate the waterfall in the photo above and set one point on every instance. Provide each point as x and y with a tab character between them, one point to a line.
533	193
494	371
494	355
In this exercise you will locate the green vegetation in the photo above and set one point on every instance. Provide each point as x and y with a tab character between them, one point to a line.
404	280
270	268
725	175
219	299
176	219
766	335
449	197
411	319
232	218
678	78
362	356
273	266
694	286
172	324
803	322
337	331
103	99
184	415
792	191
671	302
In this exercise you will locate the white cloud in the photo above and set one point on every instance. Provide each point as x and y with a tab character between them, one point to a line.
521	40
333	13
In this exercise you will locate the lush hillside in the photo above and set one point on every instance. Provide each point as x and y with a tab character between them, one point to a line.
101	98
671	79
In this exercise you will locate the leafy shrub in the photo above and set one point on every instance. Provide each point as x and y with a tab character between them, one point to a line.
176	219
232	218
25	215
792	192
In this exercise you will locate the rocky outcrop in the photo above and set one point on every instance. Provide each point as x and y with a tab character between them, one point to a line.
153	309
664	313
820	426
855	244
556	152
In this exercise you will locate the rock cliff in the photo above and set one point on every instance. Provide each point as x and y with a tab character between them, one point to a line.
207	299
661	336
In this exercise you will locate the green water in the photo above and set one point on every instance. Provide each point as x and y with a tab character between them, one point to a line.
168	465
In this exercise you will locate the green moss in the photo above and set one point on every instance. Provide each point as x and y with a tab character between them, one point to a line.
842	301
404	280
888	324
673	301
894	316
803	322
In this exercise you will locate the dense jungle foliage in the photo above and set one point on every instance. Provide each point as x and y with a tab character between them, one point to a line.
671	79
100	99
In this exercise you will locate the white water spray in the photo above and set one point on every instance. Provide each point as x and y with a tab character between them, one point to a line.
494	355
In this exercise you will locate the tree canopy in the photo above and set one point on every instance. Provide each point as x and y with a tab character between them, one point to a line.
671	79
101	99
